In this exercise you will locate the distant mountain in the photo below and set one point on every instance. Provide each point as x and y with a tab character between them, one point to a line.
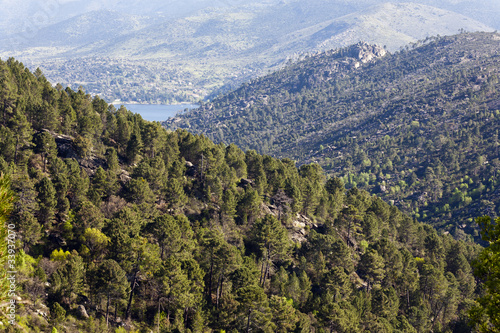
420	127
389	24
207	46
88	28
24	16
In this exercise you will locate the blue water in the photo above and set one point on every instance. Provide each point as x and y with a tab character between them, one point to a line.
157	112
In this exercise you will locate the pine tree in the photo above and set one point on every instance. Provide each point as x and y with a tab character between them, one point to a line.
371	268
486	312
134	145
47	202
68	280
46	146
110	281
6	206
273	242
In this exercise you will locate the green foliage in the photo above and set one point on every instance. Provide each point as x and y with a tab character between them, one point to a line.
68	280
6	206
486	313
46	201
109	281
57	313
167	229
83	146
59	255
46	146
95	242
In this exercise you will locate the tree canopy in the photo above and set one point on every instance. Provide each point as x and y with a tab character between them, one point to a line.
167	231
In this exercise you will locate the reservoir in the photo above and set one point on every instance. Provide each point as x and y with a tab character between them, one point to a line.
157	112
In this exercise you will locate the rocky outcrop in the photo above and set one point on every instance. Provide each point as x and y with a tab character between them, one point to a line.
82	312
66	149
300	227
365	52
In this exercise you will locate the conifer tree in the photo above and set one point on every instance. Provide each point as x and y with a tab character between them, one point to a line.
47	202
6	206
486	312
273	242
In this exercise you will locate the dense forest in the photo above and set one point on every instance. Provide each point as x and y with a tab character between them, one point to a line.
419	128
122	225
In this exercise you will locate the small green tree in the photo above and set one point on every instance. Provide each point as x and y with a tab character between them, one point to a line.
485	315
57	313
96	243
284	314
254	309
165	229
371	267
46	146
47	201
110	281
83	146
6	204
273	241
68	280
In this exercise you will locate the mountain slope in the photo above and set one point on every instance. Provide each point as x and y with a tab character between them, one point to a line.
122	225
389	24
419	126
86	28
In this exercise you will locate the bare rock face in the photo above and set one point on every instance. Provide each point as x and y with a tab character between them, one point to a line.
301	225
365	52
82	312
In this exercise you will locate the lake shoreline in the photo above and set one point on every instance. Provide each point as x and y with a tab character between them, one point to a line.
157	112
139	103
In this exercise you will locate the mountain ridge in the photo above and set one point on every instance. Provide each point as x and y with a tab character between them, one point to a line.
394	121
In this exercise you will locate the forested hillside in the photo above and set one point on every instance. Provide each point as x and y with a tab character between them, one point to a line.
418	127
124	226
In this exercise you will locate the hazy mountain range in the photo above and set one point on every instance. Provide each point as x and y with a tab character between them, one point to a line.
190	49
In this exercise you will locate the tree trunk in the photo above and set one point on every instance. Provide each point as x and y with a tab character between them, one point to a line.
158	315
17	148
408	297
132	288
261	272
221	286
219	289
265	274
248	322
210	277
107	312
